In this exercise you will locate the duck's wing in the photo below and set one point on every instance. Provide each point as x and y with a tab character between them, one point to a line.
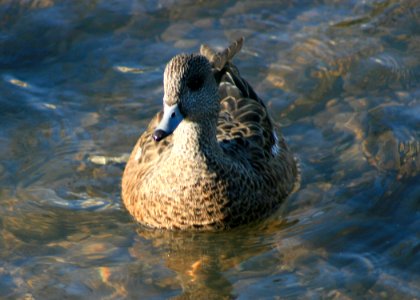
244	123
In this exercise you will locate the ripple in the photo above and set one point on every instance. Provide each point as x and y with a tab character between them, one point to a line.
104	160
316	66
18	82
73	201
384	70
134	70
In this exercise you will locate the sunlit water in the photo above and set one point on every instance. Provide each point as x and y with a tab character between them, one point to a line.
79	81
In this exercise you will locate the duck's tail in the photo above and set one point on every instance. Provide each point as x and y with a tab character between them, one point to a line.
219	59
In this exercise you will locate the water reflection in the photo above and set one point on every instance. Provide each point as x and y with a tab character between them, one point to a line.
201	260
78	84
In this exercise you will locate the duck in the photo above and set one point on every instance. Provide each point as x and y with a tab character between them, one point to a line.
212	158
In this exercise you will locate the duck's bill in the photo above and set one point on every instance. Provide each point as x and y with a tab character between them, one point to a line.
170	121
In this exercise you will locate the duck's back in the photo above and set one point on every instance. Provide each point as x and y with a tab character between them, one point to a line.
245	126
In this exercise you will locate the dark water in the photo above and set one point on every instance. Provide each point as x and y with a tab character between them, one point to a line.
79	81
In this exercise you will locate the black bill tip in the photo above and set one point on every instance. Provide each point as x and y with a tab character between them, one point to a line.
159	135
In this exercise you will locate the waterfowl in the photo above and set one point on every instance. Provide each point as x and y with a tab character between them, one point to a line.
212	159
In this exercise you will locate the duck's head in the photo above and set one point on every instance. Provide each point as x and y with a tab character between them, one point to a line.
190	93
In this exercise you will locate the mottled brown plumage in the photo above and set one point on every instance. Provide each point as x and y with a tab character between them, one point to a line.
223	165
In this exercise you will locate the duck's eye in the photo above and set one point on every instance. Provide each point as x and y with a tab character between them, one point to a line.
195	83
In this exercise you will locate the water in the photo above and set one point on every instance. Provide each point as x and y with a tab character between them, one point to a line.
79	81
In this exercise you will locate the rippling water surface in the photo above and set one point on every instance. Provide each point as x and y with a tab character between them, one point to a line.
79	81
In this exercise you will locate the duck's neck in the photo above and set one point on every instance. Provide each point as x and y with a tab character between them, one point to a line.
193	139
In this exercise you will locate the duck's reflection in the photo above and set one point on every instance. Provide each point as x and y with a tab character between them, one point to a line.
201	260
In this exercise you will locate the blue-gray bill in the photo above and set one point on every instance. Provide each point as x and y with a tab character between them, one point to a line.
170	121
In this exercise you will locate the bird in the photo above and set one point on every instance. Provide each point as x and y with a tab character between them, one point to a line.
212	158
